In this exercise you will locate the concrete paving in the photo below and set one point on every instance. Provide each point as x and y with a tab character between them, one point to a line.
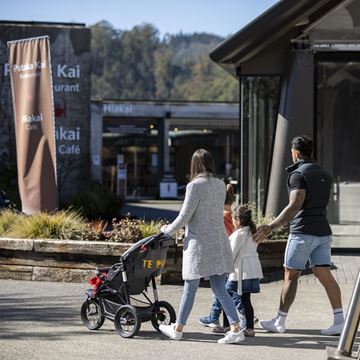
41	320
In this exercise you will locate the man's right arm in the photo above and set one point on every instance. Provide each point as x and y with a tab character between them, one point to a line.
296	201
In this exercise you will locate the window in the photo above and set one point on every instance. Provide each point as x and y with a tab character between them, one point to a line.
259	103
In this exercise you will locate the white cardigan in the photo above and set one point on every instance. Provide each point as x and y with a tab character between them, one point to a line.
246	259
206	245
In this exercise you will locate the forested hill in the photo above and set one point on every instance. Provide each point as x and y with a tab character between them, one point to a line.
138	64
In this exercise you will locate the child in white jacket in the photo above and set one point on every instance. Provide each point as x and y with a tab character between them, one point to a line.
246	278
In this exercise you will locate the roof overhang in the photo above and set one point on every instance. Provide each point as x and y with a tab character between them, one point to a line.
285	17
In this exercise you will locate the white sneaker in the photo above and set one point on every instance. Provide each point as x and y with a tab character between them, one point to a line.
232	338
169	331
272	326
333	329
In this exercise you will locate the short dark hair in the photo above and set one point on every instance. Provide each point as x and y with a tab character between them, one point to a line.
303	144
202	162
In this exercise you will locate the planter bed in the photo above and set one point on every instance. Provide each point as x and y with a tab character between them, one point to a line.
75	261
55	260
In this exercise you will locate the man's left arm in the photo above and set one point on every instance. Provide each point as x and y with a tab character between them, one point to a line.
296	201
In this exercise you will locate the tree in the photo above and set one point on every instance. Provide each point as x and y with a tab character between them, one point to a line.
136	64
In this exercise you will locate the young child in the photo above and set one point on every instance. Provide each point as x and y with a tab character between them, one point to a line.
229	200
246	278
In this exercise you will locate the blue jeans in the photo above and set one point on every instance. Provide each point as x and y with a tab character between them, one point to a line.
217	283
216	307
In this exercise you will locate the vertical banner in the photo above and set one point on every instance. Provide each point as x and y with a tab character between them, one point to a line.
31	84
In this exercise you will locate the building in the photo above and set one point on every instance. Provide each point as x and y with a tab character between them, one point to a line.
136	145
131	147
298	66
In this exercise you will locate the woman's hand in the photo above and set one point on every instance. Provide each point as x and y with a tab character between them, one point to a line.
163	229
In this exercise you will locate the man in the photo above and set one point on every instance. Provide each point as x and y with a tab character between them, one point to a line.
309	187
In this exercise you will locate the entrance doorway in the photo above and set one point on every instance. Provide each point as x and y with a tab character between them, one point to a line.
338	143
130	157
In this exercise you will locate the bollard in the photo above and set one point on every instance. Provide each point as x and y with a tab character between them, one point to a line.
348	335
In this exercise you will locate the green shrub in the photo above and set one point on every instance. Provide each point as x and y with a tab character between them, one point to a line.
260	219
61	225
98	203
8	180
8	219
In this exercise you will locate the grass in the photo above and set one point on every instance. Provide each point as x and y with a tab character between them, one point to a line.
61	225
8	219
150	228
71	225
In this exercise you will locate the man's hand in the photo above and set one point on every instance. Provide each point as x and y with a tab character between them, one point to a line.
262	232
163	228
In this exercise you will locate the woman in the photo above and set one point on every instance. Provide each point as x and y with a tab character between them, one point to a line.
212	320
206	246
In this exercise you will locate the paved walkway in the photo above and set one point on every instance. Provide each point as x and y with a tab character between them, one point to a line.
41	320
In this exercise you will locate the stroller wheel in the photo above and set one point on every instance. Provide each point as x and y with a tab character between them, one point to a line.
91	315
163	314
127	321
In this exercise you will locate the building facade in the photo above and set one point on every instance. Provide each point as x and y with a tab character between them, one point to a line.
298	66
136	145
131	147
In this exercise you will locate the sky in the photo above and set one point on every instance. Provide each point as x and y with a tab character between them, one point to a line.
217	17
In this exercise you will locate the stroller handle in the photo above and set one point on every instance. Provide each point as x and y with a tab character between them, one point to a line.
164	239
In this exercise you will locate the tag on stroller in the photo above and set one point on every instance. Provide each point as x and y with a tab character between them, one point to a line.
153	264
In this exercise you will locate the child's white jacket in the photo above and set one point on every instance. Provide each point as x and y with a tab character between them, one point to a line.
246	259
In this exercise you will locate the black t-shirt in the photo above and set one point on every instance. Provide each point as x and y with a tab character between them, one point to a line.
310	219
296	181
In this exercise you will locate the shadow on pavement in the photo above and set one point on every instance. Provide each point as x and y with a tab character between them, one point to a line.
300	339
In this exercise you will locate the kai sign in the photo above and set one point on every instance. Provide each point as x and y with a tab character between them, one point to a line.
71	137
66	71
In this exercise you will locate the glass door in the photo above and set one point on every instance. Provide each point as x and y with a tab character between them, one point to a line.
130	157
338	143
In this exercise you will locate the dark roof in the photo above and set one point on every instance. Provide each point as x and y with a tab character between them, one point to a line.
284	17
39	23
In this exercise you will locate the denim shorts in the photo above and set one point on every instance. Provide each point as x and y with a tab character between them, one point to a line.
303	247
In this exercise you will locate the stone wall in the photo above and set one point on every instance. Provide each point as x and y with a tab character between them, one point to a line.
75	261
55	260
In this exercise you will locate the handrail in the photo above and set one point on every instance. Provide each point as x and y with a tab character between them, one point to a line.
348	335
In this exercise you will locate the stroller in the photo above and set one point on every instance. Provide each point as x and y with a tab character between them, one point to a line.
113	289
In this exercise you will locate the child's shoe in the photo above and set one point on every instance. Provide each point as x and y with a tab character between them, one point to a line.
207	321
249	332
220	330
